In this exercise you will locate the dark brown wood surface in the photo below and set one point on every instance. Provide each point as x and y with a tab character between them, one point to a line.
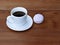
47	33
31	4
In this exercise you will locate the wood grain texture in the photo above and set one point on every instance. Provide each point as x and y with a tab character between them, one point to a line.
30	4
47	33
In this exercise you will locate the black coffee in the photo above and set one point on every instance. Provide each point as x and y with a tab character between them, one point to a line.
19	14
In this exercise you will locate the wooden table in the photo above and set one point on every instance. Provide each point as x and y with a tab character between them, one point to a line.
47	33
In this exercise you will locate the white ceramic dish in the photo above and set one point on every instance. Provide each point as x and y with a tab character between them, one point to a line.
15	27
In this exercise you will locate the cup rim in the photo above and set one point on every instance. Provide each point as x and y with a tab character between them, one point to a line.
21	9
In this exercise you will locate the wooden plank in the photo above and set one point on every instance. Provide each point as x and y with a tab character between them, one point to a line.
30	4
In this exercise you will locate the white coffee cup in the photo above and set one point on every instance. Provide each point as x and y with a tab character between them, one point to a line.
19	20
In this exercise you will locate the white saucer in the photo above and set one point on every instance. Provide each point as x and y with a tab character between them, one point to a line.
17	27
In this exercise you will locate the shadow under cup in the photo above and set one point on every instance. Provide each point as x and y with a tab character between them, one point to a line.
18	14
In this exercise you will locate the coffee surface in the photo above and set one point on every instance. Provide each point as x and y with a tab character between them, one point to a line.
19	14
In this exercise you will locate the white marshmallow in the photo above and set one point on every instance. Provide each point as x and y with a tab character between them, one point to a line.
38	18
